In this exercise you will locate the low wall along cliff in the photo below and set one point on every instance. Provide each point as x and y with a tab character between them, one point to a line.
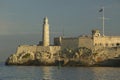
52	55
26	53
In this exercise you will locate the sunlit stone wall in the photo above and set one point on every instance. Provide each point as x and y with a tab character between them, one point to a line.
34	49
107	41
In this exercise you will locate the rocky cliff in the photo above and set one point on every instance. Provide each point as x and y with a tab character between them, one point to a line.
68	57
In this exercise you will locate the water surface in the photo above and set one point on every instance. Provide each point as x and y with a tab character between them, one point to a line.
55	73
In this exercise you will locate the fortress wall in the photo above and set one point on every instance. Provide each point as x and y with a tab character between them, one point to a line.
55	49
86	42
107	41
51	49
24	48
43	48
118	50
69	43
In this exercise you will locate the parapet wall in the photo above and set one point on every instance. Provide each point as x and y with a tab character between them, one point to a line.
71	43
86	42
35	48
25	48
107	41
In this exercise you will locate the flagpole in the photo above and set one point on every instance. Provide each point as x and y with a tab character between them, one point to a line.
103	21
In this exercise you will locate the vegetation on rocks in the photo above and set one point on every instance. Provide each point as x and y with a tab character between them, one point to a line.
26	56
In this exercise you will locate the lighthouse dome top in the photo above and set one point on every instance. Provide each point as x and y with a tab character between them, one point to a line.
45	19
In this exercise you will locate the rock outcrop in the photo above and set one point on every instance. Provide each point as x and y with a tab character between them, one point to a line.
68	57
30	58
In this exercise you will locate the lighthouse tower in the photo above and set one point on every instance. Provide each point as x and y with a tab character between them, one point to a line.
45	36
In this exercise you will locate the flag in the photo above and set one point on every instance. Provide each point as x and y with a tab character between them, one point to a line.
100	10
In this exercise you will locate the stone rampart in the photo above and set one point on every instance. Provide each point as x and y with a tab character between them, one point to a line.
25	48
35	48
86	42
71	43
107	41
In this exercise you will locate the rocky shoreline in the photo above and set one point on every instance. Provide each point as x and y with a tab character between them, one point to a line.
109	57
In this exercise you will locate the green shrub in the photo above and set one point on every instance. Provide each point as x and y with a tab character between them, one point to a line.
26	56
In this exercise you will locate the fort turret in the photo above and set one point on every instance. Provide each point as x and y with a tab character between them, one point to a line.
45	36
95	33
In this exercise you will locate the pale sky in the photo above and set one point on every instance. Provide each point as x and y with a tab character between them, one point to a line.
75	17
21	20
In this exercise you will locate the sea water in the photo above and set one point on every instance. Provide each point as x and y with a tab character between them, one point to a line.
55	73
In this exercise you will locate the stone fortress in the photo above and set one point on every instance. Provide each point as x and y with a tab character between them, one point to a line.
46	53
96	40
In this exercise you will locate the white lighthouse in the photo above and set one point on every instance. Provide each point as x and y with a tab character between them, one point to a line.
45	32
